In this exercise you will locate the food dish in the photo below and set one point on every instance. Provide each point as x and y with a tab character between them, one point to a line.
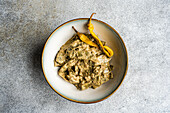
84	60
67	90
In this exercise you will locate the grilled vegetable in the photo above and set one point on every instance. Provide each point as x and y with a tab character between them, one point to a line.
84	60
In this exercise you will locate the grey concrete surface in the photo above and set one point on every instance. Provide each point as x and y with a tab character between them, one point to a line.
143	24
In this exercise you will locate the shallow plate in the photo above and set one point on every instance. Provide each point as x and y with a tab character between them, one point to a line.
63	33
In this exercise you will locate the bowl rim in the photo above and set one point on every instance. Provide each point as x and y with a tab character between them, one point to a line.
83	102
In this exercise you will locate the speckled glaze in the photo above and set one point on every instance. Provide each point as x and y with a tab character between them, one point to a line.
60	36
25	26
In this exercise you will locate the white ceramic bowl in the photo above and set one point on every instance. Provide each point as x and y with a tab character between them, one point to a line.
63	33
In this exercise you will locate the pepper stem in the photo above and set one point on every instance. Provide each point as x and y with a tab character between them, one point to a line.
75	29
91	17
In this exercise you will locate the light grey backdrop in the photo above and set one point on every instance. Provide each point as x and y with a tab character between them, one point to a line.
143	24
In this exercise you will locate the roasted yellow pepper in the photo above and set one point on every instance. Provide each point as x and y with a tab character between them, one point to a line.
84	38
107	50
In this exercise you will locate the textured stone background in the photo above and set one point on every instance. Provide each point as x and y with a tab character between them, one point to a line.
143	24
